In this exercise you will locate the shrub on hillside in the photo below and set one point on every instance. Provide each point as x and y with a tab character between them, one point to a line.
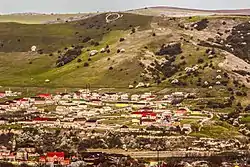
200	61
170	49
86	64
122	39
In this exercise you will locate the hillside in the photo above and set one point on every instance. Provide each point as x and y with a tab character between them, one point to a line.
191	52
37	18
185	12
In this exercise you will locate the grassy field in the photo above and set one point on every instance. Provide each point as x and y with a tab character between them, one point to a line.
218	130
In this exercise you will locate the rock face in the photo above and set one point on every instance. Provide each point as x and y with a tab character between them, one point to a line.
201	25
93	52
238	42
171	49
68	56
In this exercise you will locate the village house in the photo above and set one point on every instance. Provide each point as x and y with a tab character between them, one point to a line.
9	93
135	97
62	109
145	96
180	112
124	128
91	123
178	94
80	121
2	111
124	97
38	100
3	121
95	96
4	105
4	152
77	95
2	94
94	102
54	158
148	122
45	96
68	125
114	97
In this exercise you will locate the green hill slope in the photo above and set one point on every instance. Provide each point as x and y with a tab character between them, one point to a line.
155	50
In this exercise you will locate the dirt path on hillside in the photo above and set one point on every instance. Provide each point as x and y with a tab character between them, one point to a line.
232	63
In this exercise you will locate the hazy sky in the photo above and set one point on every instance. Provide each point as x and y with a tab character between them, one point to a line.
69	6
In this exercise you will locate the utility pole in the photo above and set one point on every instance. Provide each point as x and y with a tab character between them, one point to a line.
158	155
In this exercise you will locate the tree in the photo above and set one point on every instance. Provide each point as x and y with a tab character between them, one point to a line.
122	39
195	127
86	64
133	30
200	61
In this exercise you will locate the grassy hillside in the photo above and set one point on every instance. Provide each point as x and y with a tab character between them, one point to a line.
20	67
17	37
35	19
144	36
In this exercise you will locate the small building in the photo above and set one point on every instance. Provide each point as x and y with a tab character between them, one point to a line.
147	122
135	97
180	112
55	157
2	94
80	120
124	128
45	96
91	123
124	97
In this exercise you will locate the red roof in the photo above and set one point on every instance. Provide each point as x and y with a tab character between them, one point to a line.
44	95
58	154
181	111
143	112
150	114
42	159
20	100
40	119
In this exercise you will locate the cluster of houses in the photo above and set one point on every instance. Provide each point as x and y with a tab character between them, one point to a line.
30	156
9	93
78	109
160	117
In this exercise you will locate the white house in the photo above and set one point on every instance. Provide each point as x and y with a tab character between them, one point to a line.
135	97
124	97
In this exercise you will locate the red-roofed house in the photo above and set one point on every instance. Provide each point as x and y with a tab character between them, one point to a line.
42	159
45	96
146	109
55	157
2	94
39	119
65	162
148	122
139	114
180	112
22	101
